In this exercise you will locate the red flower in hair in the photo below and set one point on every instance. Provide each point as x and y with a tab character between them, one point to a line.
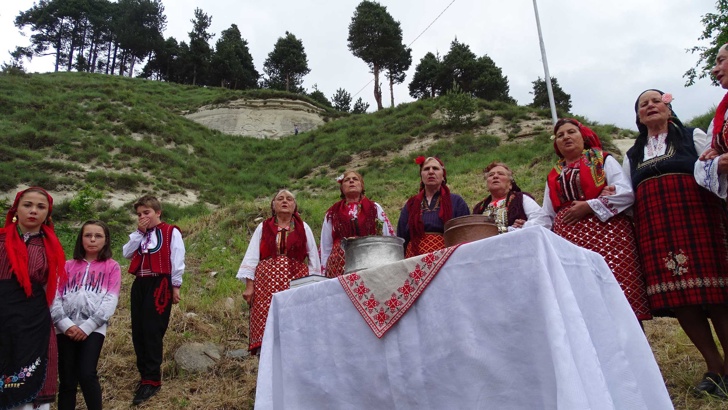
420	160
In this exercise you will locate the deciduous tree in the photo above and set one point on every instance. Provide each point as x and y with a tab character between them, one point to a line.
715	30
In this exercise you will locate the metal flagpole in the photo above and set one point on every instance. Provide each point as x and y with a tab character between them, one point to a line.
549	89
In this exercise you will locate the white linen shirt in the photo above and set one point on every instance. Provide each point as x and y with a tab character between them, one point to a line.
604	207
706	172
177	246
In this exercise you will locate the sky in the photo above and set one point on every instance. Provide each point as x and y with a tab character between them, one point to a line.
603	54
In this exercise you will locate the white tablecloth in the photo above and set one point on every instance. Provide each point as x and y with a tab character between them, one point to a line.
524	320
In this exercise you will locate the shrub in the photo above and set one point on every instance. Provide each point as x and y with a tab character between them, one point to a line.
458	107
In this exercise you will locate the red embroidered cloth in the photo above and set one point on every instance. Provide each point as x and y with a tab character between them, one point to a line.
384	295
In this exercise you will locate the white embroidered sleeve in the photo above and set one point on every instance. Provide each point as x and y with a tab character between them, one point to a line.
177	257
606	207
327	242
314	262
252	256
706	172
135	239
387	229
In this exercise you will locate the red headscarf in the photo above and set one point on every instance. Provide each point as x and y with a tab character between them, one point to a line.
591	140
18	252
414	204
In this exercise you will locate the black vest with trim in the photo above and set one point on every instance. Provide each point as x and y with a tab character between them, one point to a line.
679	158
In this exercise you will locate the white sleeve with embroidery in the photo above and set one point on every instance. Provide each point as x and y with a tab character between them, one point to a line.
178	257
706	172
327	242
606	207
314	262
135	239
252	256
387	229
545	215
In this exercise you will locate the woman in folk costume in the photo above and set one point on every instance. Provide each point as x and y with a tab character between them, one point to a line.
681	232
506	204
276	255
712	171
355	215
422	220
31	267
577	207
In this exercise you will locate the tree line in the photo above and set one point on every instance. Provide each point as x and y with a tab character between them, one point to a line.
114	38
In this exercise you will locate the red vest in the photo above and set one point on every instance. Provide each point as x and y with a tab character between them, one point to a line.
159	259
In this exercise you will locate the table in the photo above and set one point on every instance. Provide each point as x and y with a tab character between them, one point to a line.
524	320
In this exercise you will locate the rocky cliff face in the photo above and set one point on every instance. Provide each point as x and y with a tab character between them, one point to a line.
272	118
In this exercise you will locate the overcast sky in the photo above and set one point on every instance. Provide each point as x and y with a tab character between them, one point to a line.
603	53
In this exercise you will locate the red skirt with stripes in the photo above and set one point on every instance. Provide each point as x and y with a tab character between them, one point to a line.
682	237
615	241
430	243
271	275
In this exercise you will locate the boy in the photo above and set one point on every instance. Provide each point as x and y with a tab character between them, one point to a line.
157	255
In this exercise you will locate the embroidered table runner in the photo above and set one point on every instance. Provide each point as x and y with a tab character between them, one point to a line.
384	294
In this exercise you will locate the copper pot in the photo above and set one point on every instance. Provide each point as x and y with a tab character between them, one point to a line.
469	228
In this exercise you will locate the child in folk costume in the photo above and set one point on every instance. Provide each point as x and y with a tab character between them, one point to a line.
277	254
80	313
31	267
157	255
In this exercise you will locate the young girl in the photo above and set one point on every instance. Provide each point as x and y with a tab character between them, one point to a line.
31	264
80	312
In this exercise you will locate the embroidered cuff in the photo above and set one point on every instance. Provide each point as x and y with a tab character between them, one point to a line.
602	209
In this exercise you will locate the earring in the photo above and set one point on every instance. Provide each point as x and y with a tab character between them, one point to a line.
15	218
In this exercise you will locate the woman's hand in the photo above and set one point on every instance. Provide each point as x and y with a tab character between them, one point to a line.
249	293
175	295
576	212
518	223
76	334
708	154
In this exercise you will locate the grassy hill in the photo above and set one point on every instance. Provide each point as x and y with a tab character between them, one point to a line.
96	135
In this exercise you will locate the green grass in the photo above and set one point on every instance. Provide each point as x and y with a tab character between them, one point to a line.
75	132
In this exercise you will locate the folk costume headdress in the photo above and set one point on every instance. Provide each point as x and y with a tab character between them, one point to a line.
415	204
294	240
353	218
18	252
591	166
